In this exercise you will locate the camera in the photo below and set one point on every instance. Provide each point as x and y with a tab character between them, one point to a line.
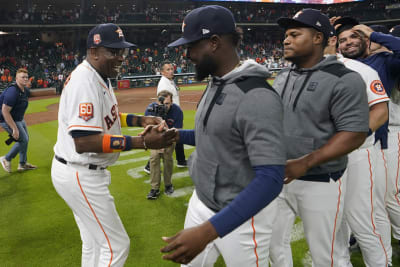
159	110
9	140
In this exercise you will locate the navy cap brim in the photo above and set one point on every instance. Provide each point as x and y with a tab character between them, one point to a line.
122	44
182	41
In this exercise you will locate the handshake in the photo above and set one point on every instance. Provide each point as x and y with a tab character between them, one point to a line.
158	136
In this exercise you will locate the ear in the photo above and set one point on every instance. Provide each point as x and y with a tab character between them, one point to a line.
318	37
215	42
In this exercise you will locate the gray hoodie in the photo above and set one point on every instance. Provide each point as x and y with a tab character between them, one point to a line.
243	128
318	103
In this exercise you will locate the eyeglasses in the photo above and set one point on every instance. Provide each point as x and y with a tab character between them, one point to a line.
117	52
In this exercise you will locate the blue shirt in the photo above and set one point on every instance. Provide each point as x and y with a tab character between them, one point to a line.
17	100
174	115
388	67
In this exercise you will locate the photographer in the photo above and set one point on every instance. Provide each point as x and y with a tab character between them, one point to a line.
173	115
14	102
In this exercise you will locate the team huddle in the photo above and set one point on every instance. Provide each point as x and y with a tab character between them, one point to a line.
322	143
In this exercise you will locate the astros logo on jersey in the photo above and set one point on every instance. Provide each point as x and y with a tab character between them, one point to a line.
377	87
86	111
96	39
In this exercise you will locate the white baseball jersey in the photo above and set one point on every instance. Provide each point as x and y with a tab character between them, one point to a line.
374	87
363	185
169	85
87	103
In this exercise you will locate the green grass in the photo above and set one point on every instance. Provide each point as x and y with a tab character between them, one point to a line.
37	227
193	87
41	105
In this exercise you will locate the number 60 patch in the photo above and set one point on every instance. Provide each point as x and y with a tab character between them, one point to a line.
86	111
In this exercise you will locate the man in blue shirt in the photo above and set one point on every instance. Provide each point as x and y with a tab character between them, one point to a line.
14	102
173	115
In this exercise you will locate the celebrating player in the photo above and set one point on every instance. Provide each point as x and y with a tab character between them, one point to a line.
359	202
238	164
89	132
326	117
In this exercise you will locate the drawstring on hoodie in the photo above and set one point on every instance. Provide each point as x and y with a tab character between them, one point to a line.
309	73
220	84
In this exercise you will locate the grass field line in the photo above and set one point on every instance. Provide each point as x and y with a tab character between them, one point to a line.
127	161
297	232
182	192
307	261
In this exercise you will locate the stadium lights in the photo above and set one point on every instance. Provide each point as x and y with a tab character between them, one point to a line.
3	33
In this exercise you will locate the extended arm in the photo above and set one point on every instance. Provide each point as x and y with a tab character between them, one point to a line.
265	187
131	120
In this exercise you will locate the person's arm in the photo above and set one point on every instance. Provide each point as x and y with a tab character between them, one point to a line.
154	138
132	120
6	111
378	115
339	145
387	40
265	187
186	137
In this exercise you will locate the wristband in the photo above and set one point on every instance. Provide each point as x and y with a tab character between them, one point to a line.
126	119
116	143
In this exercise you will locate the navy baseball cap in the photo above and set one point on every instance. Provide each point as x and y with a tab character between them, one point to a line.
380	28
395	31
107	35
203	22
345	24
310	18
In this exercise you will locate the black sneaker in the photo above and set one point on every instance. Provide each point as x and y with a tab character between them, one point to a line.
153	194
182	164
169	189
147	168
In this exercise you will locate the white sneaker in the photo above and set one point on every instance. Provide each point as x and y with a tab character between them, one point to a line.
6	164
26	166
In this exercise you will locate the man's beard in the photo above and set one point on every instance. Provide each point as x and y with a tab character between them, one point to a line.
205	67
356	54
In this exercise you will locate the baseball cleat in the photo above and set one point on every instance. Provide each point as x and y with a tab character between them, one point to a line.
153	194
6	164
26	166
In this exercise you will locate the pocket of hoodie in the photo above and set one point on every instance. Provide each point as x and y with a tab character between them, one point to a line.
297	146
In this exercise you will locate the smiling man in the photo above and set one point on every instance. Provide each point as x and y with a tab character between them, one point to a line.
89	139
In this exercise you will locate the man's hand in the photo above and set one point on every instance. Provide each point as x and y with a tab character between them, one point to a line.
156	137
188	243
334	19
15	134
295	168
161	127
364	29
150	120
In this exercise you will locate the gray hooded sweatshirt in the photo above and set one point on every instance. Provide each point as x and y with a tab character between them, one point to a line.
235	129
318	103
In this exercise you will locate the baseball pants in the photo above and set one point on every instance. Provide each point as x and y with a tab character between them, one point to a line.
320	207
393	166
359	212
382	222
247	245
104	239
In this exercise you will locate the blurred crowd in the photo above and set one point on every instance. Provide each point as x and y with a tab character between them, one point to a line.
50	64
167	13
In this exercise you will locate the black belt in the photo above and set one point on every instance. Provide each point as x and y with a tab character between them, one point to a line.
325	177
91	166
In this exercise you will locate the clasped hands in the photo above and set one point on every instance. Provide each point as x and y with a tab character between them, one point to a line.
156	134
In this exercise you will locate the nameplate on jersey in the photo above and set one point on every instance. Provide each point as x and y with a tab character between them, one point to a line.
86	111
377	87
